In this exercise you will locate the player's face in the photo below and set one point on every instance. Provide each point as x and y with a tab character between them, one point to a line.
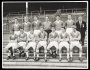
21	30
46	18
53	29
15	20
57	18
35	18
26	19
80	18
69	17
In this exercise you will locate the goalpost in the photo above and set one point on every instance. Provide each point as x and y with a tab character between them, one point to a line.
27	9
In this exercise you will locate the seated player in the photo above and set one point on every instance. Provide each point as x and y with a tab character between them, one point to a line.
47	26
63	39
68	24
53	40
12	45
42	42
75	36
16	27
26	25
31	42
58	24
36	25
22	38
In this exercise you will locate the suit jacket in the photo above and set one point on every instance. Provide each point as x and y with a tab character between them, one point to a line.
81	28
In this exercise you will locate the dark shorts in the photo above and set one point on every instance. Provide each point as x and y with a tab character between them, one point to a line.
48	31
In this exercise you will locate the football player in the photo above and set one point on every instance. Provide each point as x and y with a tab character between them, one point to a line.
75	36
47	26
22	38
27	25
31	42
42	42
58	24
16	27
12	45
68	24
53	40
36	25
63	42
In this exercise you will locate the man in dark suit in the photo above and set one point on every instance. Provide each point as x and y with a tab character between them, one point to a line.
81	27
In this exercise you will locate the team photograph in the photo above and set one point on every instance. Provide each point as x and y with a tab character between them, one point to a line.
45	34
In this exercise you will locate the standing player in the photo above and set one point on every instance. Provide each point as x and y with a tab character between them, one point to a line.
53	40
63	39
42	42
36	25
27	26
58	12
75	36
31	43
22	38
16	27
58	24
68	24
47	26
12	45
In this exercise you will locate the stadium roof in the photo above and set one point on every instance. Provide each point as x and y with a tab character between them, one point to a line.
17	7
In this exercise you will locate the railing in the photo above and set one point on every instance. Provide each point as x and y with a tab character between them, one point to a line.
44	12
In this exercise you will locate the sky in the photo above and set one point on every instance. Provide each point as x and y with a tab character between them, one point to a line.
17	7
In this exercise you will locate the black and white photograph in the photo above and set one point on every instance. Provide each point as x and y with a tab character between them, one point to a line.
45	34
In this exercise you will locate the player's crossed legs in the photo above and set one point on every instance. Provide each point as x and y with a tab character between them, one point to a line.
21	47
